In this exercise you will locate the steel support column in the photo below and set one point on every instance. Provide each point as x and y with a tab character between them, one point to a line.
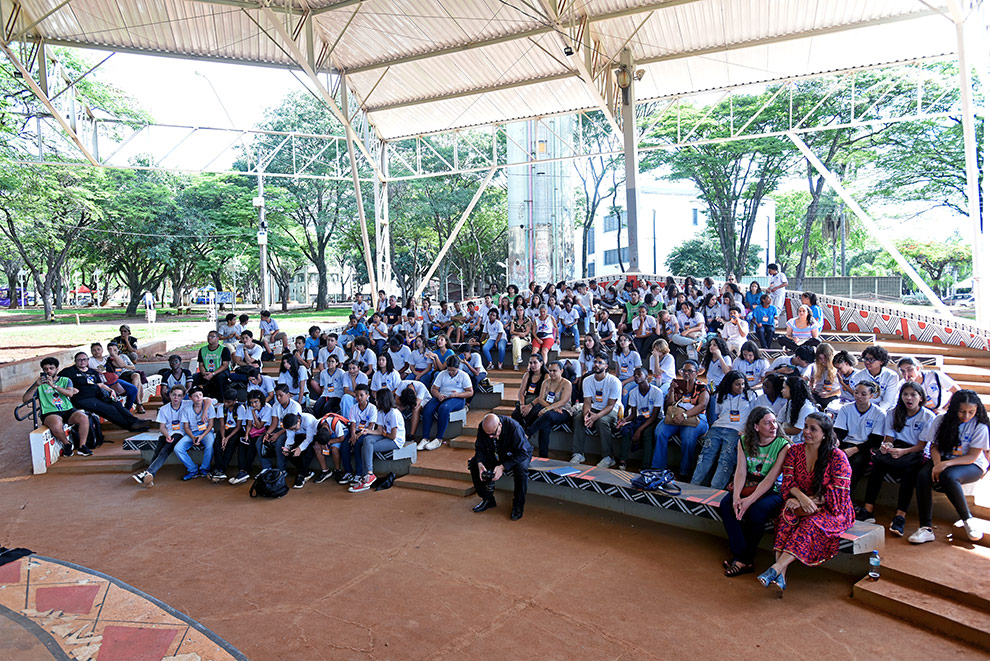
453	235
368	262
631	156
383	230
871	226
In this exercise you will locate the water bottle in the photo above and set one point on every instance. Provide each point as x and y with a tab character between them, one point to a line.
874	566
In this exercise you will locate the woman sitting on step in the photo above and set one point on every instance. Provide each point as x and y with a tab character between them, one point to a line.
450	389
529	391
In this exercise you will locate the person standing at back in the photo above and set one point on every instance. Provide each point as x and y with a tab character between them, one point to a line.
777	289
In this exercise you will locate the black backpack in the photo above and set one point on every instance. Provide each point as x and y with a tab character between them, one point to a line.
270	484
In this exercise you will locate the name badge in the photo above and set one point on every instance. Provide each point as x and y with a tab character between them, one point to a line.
531	388
644	411
750	378
551	397
734	416
599	397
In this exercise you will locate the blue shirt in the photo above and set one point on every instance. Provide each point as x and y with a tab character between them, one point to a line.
313	344
764	316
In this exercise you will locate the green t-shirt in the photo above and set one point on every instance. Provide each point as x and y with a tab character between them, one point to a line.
51	399
766	456
632	309
213	360
656	309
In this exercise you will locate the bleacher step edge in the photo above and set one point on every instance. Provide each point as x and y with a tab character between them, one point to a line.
457	475
96	465
436	485
944	616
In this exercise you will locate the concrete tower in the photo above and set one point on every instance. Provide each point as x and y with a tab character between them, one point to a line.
541	214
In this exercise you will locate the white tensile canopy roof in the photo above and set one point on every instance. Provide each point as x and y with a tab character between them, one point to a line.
421	66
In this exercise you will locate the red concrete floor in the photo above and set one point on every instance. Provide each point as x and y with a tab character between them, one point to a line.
413	575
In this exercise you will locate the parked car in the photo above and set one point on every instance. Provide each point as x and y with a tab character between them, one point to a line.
959	300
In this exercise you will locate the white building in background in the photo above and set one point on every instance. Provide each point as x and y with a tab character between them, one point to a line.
670	213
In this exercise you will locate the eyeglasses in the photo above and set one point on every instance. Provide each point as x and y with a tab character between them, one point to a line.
870	359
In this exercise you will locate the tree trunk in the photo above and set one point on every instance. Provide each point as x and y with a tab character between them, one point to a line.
132	305
321	283
283	292
59	290
217	282
809	222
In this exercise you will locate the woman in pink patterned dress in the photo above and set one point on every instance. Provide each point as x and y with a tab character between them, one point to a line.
818	508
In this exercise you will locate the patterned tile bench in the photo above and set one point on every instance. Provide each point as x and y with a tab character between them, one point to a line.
701	502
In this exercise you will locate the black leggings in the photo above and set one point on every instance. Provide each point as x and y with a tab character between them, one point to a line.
950	482
792	346
112	411
222	456
906	467
326	405
859	461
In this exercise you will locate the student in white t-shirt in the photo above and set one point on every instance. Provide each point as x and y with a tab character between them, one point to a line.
413	395
389	434
493	335
901	452
169	418
567	322
937	385
644	408
450	390
752	364
332	388
270	333
363	416
798	407
359	308
230	331
876	358
733	401
959	441
777	288
859	425
598	415
300	431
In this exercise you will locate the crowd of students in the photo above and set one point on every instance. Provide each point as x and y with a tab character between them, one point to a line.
786	437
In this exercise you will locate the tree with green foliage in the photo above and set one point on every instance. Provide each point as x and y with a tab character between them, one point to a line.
732	177
702	256
941	263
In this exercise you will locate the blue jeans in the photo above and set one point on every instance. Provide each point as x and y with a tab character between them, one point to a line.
427	378
350	455
370	444
182	451
346	402
379	346
441	411
765	335
280	459
487	347
543	425
586	321
719	447
689	440
130	393
573	330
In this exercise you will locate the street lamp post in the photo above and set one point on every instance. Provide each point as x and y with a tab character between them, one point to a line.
22	279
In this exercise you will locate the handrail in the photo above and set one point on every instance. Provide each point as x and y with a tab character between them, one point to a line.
33	404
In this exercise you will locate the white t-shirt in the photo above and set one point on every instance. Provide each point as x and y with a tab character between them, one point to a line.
172	418
845	396
379	331
626	363
332	383
230	333
776	406
254	352
860	425
363	417
605	329
973	434
268	327
715	372
803	372
602	391
449	385
667	366
401	357
650	322
195	420
359	309
585	362
494	329
910	434
419	360
368	357
686	322
286	378
544	327
358	380
753	371
325	353
279	412
888	381
413	329
422	392
474	360
267	385
380	380
393	420
246	414
777	297
937	386
785	416
733	410
308	424
644	404
568	318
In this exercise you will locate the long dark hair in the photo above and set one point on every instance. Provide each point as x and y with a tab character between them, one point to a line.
750	438
293	368
385	400
776	383
825	450
750	345
595	349
900	411
725	385
947	434
799	395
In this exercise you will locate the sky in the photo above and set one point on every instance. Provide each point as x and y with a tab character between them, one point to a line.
213	94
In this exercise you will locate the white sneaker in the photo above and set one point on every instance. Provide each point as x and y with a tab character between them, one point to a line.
922	535
139	477
433	445
606	462
422	444
577	458
974	533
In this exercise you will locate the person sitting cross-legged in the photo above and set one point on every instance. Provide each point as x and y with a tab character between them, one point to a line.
55	398
502	448
93	395
601	393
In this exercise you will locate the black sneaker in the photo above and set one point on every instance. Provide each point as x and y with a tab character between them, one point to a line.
84	451
217	476
897	526
240	478
300	482
67	450
336	476
863	515
322	477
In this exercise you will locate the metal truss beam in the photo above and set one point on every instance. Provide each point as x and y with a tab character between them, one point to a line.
303	61
28	80
474	92
525	34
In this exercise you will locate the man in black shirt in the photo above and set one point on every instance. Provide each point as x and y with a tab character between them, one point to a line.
93	395
392	313
501	448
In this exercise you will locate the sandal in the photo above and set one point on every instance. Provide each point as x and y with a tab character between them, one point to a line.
737	569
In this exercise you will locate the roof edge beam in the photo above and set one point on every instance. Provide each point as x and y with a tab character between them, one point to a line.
471	92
